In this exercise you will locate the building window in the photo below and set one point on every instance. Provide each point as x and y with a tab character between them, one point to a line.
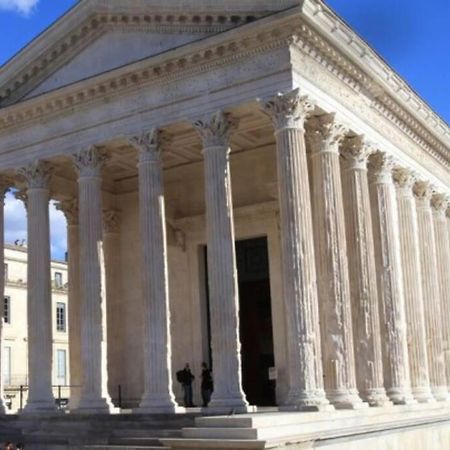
61	367
6	271
61	317
58	279
6	360
7	310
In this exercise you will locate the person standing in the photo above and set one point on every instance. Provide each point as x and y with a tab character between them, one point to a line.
207	384
186	378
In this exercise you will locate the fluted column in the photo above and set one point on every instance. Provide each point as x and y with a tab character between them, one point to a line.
40	396
389	277
430	289
70	210
412	283
222	273
363	283
158	395
4	186
439	204
324	135
305	375
94	396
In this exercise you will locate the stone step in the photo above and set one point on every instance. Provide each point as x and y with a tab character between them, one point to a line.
220	433
135	441
123	447
219	444
124	432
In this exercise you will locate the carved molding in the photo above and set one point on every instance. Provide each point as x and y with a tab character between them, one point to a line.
69	209
90	161
288	110
215	131
37	174
324	133
150	144
111	221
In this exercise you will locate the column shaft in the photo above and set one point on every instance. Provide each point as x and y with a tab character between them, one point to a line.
412	282
222	271
305	375
158	396
94	392
363	284
390	283
430	289
40	396
324	136
439	204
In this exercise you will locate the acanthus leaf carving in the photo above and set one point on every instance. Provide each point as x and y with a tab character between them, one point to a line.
423	190
381	165
440	202
355	151
150	144
404	178
90	161
324	133
70	210
111	220
288	110
36	174
216	130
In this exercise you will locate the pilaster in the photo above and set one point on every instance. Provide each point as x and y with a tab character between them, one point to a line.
305	376
363	284
215	133
389	278
70	210
324	135
412	282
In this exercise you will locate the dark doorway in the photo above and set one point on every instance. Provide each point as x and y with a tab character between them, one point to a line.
255	320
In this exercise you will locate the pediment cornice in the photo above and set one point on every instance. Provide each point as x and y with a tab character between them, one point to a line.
311	28
51	51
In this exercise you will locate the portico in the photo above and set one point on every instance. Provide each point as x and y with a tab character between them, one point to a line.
221	128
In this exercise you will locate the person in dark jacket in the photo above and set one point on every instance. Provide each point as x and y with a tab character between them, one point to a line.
207	384
186	378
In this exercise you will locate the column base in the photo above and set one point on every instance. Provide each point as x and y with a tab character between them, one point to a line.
229	406
423	395
298	400
95	406
399	396
40	407
346	399
440	393
158	404
376	397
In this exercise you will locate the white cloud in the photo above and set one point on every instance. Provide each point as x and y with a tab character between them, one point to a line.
16	226
21	6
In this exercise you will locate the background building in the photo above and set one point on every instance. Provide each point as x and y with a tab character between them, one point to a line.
15	341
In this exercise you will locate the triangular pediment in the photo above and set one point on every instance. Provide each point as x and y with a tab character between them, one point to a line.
97	36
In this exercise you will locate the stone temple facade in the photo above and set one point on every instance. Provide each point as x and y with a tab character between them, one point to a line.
245	183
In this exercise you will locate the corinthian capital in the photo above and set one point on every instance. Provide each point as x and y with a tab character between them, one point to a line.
90	161
288	110
439	202
356	150
37	174
404	178
381	165
70	210
216	131
324	134
22	196
5	183
150	144
423	191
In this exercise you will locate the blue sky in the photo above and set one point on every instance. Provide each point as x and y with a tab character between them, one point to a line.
413	36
